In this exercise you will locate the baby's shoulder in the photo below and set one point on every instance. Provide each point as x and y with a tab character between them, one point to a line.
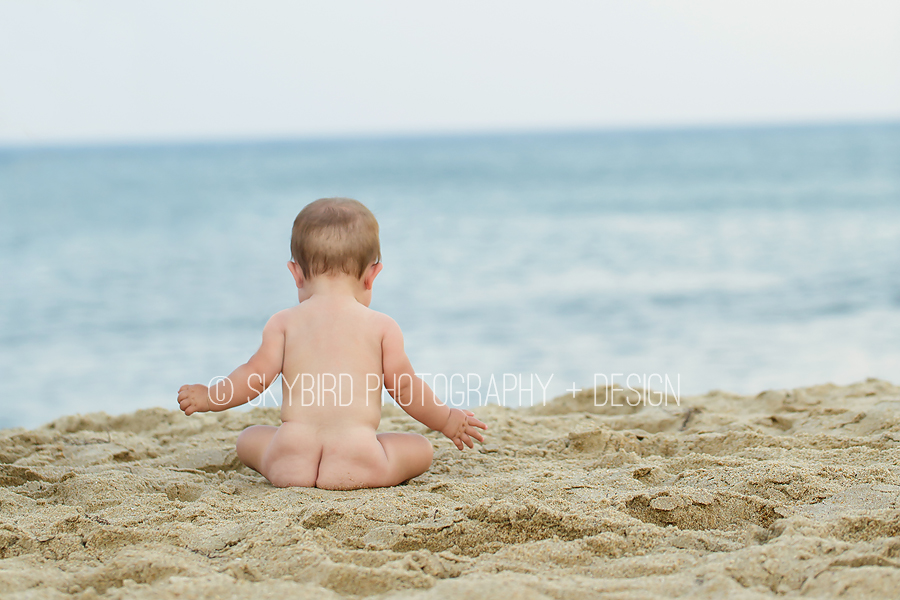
379	319
282	319
383	325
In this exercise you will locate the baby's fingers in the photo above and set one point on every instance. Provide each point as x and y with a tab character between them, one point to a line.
475	434
471	420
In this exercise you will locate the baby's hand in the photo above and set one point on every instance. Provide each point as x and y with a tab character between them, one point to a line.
193	398
460	428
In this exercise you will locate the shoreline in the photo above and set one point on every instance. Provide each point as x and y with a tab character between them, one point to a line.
785	492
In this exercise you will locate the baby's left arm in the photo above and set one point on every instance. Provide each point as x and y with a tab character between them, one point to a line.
246	382
418	400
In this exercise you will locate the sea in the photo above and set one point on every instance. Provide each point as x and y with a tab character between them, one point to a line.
519	266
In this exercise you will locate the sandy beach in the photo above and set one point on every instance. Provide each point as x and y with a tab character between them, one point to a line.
787	493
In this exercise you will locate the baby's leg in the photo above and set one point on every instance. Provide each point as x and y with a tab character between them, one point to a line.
253	443
408	455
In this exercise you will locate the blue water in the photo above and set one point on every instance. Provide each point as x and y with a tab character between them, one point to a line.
732	259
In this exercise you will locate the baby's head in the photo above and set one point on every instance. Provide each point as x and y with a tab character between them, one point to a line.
333	236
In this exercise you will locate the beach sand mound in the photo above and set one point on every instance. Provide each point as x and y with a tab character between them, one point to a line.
790	492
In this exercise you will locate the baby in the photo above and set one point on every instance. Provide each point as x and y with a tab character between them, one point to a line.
334	354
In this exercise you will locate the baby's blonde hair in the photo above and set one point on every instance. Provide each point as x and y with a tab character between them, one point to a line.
334	235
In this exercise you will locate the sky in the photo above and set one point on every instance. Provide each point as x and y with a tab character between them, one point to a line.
96	71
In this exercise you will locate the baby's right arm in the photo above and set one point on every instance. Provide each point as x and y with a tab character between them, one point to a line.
417	399
246	382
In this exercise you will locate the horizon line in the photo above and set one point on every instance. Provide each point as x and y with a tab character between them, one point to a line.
439	134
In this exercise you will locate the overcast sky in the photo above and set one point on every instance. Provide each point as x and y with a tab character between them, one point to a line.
113	71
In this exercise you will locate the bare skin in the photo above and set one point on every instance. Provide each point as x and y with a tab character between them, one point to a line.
332	352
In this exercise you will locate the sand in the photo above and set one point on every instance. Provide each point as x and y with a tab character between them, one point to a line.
788	493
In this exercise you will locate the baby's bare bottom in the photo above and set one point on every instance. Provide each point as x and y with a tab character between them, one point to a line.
295	455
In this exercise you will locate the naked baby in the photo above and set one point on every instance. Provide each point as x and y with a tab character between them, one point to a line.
334	354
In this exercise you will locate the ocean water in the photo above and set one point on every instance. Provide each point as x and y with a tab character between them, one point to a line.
737	259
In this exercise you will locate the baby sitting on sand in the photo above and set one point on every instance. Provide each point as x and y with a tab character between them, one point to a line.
334	355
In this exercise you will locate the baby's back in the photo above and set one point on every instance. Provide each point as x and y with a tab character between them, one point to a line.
332	365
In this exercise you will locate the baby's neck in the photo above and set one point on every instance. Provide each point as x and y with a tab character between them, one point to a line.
334	286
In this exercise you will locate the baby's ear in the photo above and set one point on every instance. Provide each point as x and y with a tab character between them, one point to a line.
297	272
371	273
